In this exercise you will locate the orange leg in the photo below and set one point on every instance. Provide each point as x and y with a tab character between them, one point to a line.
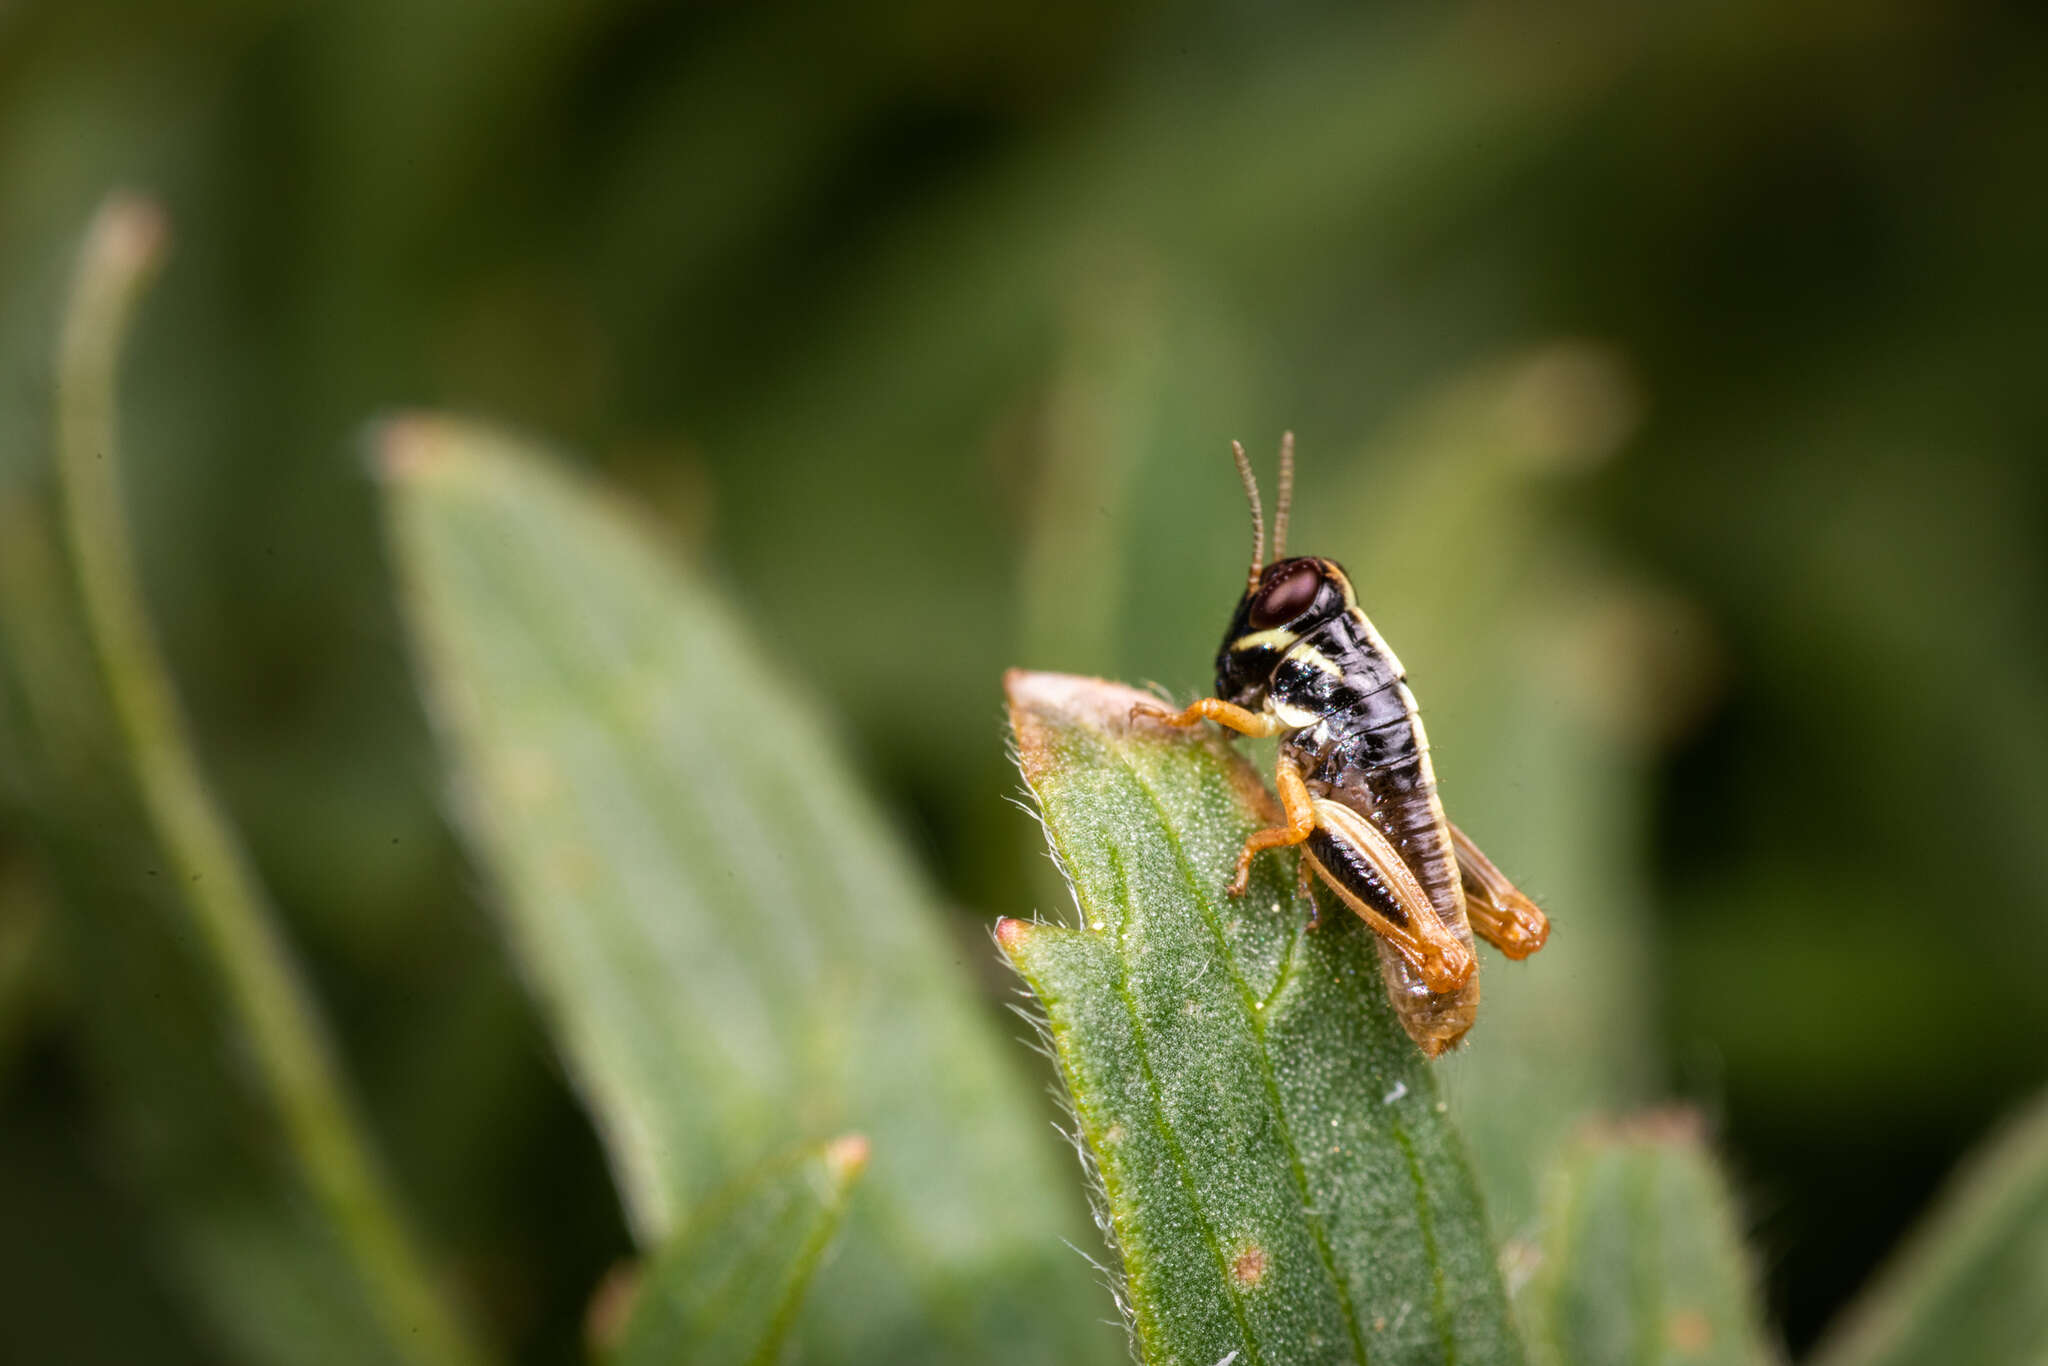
1239	719
1301	822
1500	914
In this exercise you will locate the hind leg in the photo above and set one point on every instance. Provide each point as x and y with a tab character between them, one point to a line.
1500	914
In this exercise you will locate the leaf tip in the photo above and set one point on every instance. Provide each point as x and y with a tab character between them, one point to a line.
1073	697
407	446
1011	934
846	1157
610	1306
129	234
1042	704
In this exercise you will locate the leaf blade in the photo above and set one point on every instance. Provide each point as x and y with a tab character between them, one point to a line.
732	952
1967	1287
1642	1261
725	1289
1279	1176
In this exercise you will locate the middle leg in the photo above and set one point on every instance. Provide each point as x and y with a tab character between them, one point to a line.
1300	810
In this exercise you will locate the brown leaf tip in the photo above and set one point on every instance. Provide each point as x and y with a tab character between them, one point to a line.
611	1304
408	445
130	233
1041	703
1074	698
1011	933
846	1156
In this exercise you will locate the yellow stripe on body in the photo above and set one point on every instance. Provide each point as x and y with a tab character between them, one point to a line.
1279	638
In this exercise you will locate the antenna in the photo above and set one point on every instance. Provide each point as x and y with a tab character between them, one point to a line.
1286	496
1251	495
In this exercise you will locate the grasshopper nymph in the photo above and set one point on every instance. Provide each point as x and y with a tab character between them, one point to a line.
1301	662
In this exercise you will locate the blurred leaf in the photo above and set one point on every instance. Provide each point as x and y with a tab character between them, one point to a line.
726	1288
1642	1263
214	1064
729	948
1275	1168
1970	1287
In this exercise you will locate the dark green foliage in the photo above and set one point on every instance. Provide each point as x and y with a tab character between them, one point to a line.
1970	1286
1275	1166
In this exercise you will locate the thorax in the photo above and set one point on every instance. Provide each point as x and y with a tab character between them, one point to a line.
1338	680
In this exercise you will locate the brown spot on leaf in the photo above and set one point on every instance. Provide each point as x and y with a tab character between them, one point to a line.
1688	1330
1248	1267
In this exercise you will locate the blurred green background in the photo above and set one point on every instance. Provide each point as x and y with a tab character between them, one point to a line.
1669	378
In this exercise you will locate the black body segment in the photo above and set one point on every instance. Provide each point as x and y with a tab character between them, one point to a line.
1338	673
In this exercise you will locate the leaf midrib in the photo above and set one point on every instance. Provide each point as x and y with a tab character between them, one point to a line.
1246	999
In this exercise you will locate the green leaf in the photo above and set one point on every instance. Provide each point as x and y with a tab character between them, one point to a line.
1275	1168
1642	1263
731	951
1970	1287
726	1287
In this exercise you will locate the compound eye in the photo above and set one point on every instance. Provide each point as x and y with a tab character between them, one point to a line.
1286	598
